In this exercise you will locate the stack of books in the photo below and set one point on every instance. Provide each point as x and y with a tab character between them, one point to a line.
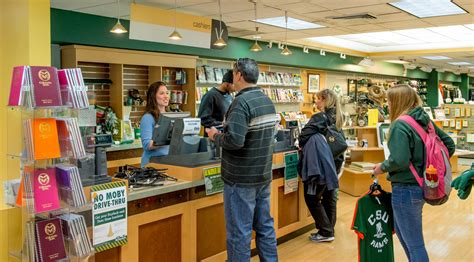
362	166
73	89
35	86
75	230
41	139
280	95
70	185
45	240
70	139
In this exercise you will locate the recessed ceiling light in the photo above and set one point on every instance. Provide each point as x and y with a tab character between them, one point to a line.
429	8
293	23
459	63
436	57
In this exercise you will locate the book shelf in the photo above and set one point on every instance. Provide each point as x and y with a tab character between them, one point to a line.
282	84
459	124
44	192
124	70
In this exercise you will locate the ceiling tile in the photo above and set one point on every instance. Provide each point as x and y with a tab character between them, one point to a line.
73	4
326	32
279	2
395	17
338	4
109	10
301	8
405	24
322	15
372	9
281	35
451	20
366	28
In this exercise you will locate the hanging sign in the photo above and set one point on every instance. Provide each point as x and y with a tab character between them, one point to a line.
154	24
109	215
291	172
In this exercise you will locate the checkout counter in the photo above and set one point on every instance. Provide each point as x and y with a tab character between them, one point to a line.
178	222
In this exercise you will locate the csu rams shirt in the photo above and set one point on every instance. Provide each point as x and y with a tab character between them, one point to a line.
373	224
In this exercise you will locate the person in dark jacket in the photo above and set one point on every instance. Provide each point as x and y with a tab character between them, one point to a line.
216	102
407	147
322	205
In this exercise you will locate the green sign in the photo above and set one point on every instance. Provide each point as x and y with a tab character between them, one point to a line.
291	172
109	212
212	180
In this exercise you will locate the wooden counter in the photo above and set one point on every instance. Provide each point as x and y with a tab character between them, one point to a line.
187	225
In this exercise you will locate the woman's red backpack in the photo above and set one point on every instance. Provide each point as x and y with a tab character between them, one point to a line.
436	183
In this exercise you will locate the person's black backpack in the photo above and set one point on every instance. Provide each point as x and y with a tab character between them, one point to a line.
335	139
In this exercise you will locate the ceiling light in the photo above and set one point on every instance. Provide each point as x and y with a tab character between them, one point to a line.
428	8
255	47
220	42
293	23
367	62
397	61
286	51
438	57
322	52
175	35
426	69
118	27
459	63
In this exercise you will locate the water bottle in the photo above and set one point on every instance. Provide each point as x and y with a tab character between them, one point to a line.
431	183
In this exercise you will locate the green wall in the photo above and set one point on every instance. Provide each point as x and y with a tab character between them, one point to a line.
69	27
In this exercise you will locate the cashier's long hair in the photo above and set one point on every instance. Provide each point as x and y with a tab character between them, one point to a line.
401	99
151	104
331	100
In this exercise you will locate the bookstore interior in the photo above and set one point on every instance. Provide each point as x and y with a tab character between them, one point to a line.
75	77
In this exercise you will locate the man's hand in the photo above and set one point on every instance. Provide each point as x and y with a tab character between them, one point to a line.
378	169
211	132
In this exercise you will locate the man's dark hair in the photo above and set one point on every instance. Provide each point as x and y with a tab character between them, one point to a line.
248	68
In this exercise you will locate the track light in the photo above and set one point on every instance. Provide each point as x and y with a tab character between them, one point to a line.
322	52
270	44
343	56
305	49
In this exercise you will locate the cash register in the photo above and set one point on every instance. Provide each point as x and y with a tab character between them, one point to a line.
287	137
186	147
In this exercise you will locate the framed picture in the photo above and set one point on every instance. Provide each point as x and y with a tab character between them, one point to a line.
313	83
382	133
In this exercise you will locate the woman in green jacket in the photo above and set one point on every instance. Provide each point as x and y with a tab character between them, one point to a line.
407	147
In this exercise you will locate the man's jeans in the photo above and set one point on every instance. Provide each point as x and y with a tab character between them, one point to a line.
246	208
407	204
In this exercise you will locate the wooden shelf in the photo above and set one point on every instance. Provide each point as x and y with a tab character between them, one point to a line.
348	169
359	127
356	149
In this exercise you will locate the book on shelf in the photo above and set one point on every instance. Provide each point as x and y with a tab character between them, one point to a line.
210	75
75	230
70	139
41	138
11	190
362	166
73	88
19	81
218	74
201	74
44	188
45	86
70	185
49	240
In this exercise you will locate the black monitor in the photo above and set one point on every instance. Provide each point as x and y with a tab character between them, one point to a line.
164	127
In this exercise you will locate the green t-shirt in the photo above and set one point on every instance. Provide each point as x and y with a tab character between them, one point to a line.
373	223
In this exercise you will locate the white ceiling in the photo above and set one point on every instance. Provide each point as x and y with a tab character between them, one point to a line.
237	16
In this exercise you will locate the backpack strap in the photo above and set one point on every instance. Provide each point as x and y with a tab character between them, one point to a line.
423	135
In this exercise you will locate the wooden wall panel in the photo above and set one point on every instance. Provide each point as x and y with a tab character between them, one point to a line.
211	234
288	208
160	240
111	255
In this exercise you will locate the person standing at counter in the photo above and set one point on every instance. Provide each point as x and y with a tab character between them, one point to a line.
247	148
215	102
157	99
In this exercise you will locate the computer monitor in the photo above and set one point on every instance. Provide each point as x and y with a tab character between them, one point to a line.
163	130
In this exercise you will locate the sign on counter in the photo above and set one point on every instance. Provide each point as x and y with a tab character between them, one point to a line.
212	180
291	172
109	215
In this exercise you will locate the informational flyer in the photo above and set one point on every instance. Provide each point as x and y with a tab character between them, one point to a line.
109	215
212	180
291	172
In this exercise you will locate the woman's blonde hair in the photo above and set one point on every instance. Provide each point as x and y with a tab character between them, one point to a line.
402	99
331	100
